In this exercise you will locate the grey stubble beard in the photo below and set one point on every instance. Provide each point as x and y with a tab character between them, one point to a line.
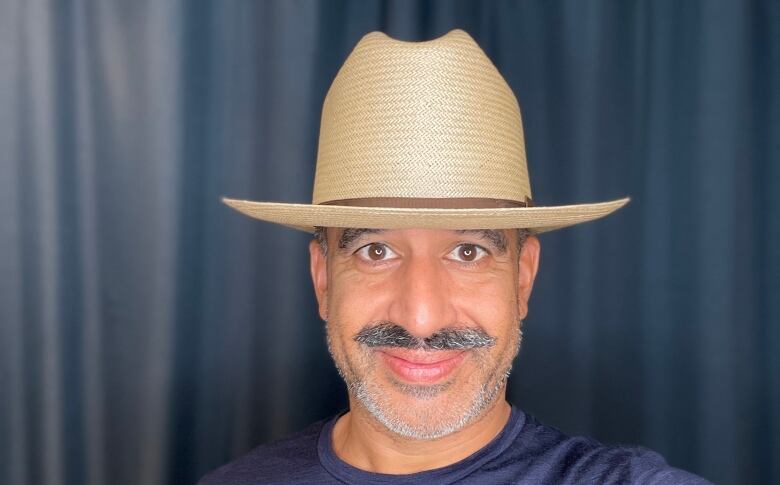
370	394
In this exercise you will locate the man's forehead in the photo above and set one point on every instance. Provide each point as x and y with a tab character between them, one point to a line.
496	237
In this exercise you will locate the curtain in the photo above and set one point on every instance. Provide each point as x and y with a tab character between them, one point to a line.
149	334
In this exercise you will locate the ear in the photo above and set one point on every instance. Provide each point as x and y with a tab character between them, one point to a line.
528	266
318	264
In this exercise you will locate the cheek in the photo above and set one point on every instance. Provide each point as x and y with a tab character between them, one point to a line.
489	300
340	343
358	298
353	301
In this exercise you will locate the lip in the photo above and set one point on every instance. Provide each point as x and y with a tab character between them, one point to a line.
420	366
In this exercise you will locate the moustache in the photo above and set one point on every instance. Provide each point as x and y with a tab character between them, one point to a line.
389	334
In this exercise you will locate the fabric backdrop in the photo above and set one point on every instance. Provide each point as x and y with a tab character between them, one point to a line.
149	334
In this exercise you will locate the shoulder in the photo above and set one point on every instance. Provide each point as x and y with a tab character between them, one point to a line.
291	460
558	458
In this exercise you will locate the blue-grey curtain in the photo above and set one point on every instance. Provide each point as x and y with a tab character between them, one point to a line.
149	334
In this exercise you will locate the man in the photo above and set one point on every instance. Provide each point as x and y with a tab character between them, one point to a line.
424	258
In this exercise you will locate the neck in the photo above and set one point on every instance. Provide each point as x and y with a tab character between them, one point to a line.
363	442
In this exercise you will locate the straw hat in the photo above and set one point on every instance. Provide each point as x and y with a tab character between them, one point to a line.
421	135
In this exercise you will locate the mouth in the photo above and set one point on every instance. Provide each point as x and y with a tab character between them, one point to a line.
421	366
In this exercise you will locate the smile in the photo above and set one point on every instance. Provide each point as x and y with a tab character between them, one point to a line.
421	366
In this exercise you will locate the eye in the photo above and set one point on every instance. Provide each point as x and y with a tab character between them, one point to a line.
468	253
375	252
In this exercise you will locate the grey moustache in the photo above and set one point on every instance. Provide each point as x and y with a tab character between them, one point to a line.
389	334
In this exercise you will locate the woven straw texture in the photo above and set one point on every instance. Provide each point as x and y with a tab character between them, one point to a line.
428	120
538	219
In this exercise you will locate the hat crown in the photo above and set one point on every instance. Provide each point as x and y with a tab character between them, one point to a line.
428	119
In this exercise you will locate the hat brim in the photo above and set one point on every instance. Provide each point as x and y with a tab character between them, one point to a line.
305	217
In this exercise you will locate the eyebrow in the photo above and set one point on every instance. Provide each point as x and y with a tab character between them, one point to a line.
350	235
496	238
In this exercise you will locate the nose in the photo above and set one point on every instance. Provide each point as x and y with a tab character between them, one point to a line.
423	297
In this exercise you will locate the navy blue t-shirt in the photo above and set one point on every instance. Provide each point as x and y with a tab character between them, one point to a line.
524	452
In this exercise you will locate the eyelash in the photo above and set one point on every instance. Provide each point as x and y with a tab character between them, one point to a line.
482	252
365	247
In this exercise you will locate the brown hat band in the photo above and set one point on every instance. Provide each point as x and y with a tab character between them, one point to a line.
431	203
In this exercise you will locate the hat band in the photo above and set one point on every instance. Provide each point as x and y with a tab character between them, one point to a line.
432	203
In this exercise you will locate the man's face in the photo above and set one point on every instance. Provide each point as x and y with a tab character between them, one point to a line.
424	324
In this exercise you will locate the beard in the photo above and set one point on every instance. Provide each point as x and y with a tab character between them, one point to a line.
419	411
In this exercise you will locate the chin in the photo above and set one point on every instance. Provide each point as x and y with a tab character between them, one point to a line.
426	412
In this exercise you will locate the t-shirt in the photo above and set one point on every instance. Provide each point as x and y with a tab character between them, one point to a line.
524	452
